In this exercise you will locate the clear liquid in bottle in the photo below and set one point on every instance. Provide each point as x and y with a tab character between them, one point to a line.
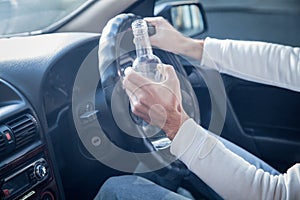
146	64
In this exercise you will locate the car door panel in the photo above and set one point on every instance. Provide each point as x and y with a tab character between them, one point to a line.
270	117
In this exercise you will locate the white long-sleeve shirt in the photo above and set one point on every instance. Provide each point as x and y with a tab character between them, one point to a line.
228	174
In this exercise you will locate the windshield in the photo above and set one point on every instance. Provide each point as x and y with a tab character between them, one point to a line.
25	17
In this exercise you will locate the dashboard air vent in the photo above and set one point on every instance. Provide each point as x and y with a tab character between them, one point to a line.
24	129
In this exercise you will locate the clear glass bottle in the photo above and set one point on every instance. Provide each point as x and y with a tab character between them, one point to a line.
146	62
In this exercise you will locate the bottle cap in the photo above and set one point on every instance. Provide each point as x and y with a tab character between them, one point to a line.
139	26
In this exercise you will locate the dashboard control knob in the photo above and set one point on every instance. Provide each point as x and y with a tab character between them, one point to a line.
40	171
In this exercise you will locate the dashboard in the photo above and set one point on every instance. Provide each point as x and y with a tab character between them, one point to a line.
39	148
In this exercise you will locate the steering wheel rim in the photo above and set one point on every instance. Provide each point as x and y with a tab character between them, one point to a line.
113	59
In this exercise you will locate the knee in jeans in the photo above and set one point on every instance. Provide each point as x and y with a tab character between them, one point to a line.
109	186
114	185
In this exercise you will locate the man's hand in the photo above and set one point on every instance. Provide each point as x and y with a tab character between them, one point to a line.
166	36
169	39
158	104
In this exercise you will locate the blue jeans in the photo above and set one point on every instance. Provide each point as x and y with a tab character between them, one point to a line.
131	187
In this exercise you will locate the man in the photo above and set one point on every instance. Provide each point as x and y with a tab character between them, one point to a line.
234	176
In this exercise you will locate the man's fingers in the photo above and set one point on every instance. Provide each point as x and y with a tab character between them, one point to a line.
128	70
141	94
135	78
155	21
139	109
131	96
152	20
144	116
170	72
129	86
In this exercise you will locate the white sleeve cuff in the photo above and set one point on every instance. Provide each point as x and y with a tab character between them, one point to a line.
212	53
184	137
192	141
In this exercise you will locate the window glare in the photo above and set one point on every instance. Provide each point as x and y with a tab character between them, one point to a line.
23	16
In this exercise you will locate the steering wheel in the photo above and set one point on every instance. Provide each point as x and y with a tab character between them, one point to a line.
116	52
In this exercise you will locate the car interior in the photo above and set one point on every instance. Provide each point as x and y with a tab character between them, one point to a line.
65	119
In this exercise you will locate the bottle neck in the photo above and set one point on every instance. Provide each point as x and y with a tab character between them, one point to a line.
142	45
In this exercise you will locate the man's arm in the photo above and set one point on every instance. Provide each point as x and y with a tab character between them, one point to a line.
261	62
227	173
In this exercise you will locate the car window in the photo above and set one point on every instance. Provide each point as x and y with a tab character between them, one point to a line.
26	17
